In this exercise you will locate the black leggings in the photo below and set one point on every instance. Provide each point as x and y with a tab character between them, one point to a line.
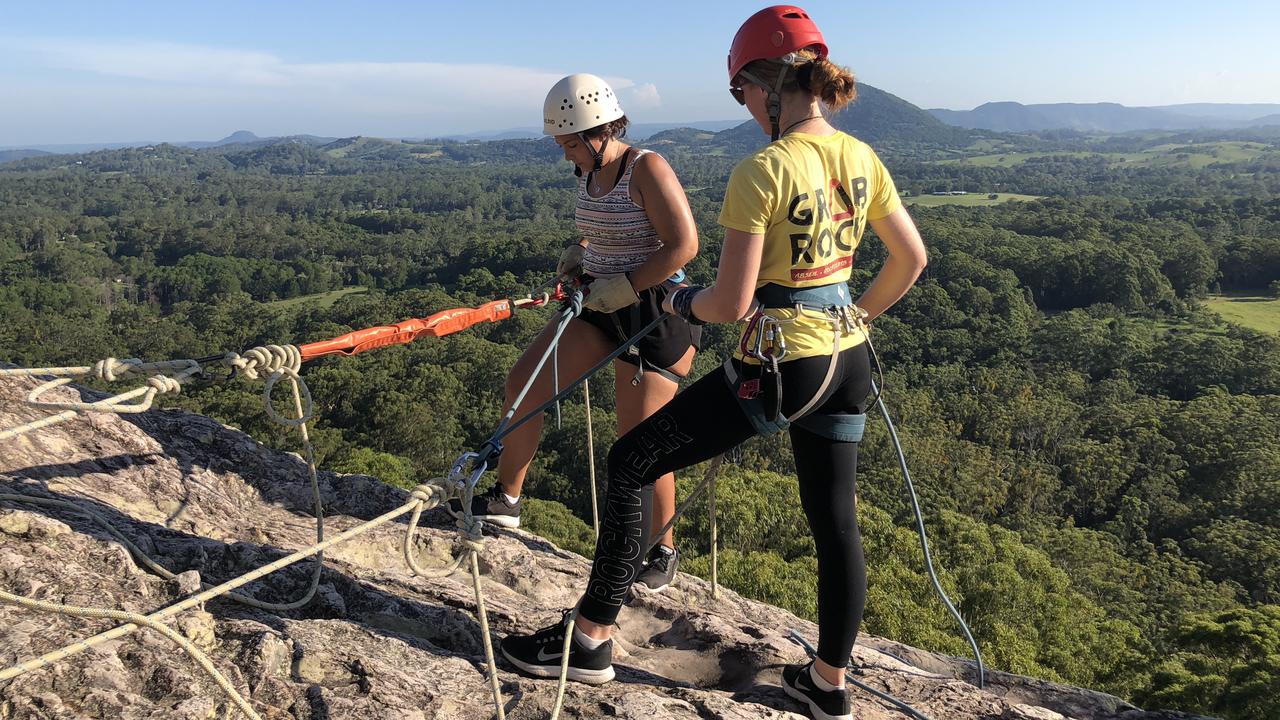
706	420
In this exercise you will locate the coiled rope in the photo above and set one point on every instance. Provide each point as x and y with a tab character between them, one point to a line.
274	362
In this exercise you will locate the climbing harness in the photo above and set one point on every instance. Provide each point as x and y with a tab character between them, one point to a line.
633	348
764	341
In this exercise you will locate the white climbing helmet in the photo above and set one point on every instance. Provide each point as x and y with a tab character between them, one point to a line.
577	103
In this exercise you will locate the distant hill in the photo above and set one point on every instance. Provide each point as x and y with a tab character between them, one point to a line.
11	155
636	131
244	138
1248	112
239	137
1107	117
1003	116
644	131
877	117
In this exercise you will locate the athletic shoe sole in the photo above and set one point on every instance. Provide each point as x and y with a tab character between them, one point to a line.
814	710
641	587
590	677
506	521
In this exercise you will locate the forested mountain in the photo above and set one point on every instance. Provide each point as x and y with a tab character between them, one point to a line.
1097	452
876	117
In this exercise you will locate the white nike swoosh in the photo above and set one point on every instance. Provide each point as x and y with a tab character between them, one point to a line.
543	656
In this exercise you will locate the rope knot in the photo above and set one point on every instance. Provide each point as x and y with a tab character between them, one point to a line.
112	369
164	384
429	494
471	533
265	360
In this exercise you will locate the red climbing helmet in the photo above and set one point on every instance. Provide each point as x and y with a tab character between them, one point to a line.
772	33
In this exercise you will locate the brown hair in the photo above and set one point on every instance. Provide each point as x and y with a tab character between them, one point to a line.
833	84
612	129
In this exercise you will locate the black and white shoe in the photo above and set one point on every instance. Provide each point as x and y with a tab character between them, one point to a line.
823	704
540	654
491	507
659	569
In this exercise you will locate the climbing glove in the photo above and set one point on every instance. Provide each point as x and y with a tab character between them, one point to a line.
608	293
570	265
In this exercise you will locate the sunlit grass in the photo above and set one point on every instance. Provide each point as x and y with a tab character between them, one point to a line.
1254	311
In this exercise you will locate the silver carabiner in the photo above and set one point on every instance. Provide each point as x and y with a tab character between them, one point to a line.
457	473
771	331
761	328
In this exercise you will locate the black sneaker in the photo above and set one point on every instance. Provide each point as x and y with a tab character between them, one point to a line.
823	704
540	654
491	507
659	569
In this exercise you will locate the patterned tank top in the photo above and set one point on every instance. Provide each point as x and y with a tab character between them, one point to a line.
618	232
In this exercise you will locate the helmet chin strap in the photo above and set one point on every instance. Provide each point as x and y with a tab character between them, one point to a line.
598	155
774	102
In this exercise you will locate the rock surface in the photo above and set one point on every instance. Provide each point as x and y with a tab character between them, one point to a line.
211	503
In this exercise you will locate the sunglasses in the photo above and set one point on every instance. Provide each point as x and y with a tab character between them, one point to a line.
738	95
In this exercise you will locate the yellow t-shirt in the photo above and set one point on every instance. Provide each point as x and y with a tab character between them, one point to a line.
811	197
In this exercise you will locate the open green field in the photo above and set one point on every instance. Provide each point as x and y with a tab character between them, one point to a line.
1255	311
1195	156
970	200
318	300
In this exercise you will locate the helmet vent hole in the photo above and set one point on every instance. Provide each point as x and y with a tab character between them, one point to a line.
794	15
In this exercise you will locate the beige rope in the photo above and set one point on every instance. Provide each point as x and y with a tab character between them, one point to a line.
564	664
591	459
137	620
471	533
274	362
715	541
202	597
112	369
168	379
424	497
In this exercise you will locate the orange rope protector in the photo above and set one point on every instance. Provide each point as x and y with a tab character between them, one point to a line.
445	322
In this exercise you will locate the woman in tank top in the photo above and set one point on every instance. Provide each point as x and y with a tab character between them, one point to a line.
637	232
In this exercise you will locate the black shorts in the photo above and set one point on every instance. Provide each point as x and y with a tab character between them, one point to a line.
663	346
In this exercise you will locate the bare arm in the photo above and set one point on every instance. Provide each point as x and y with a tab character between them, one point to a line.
731	298
907	259
657	189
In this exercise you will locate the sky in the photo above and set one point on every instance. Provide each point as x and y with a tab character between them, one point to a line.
113	71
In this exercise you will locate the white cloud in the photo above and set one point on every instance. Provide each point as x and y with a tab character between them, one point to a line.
644	97
420	97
